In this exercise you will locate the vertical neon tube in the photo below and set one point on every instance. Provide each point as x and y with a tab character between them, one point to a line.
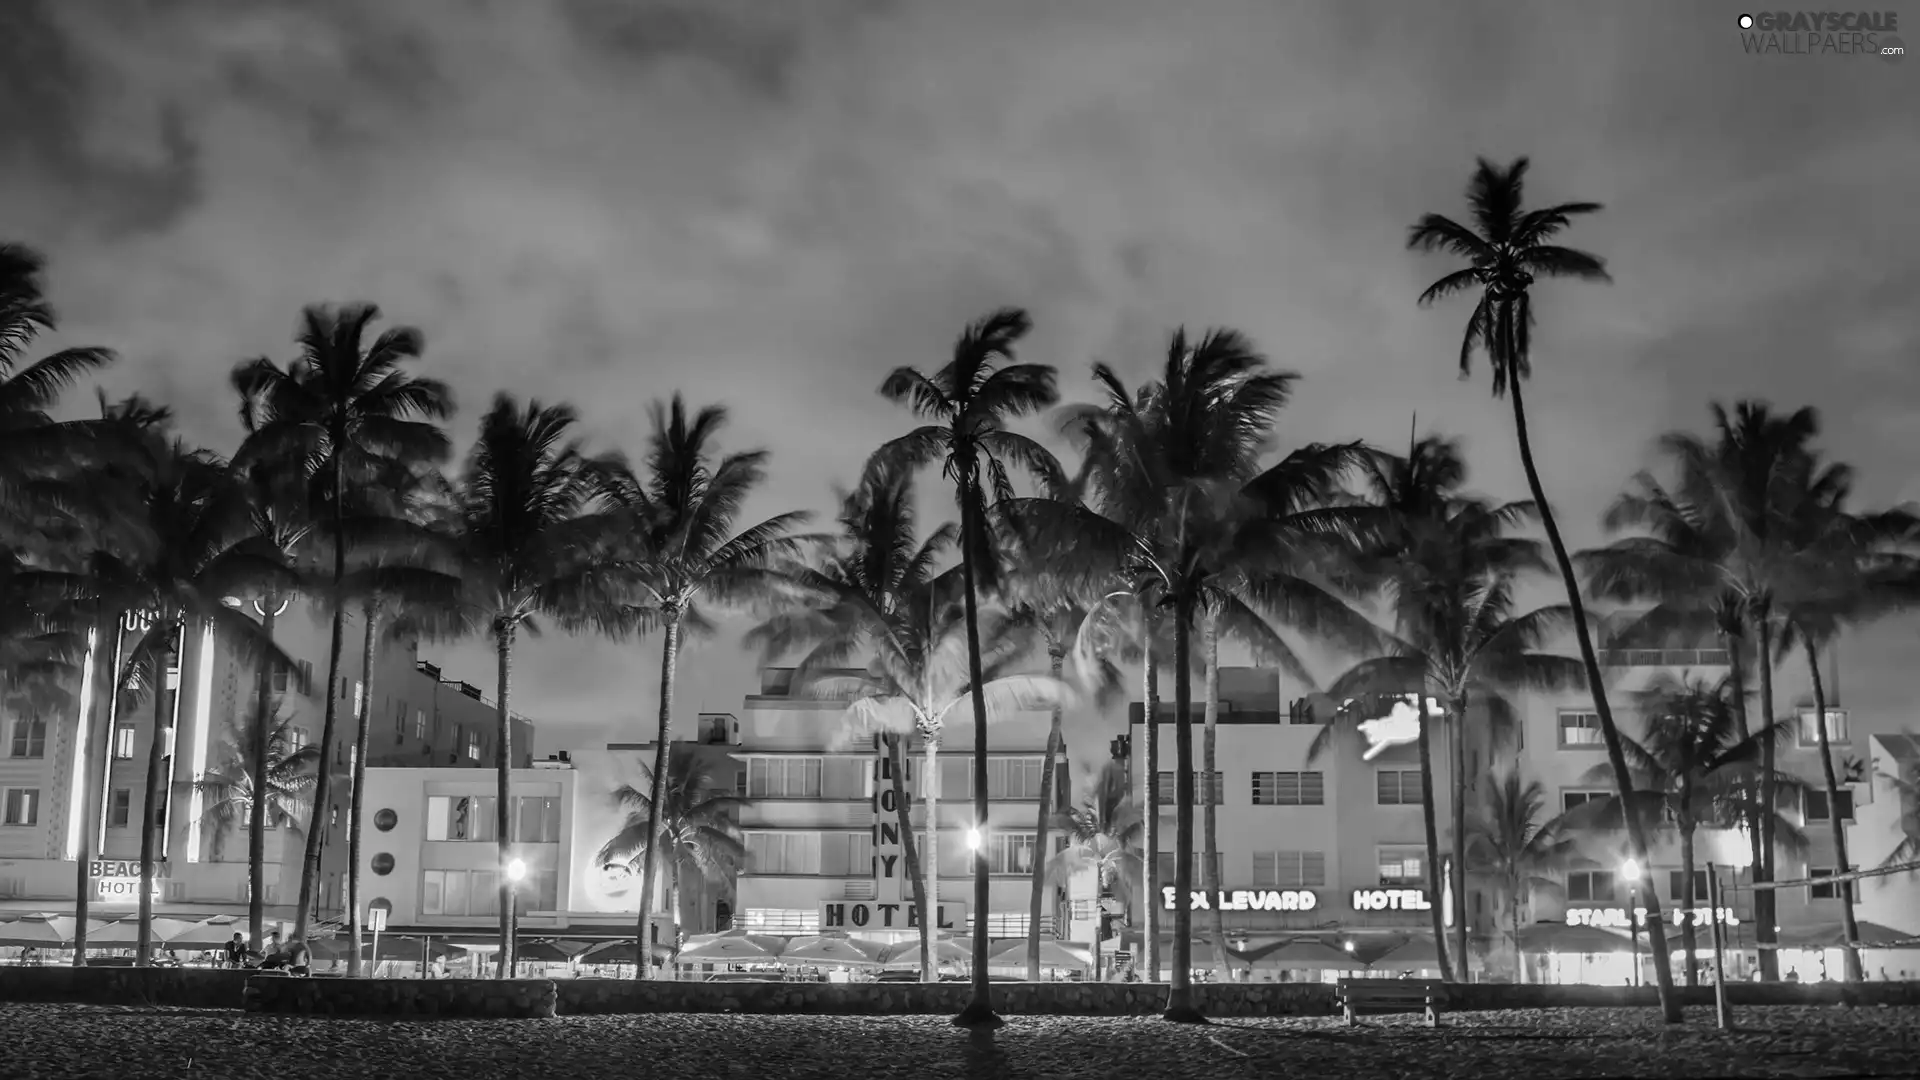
117	684
202	713
177	682
82	732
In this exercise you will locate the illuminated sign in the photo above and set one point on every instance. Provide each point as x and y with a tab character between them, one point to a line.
1399	727
889	854
888	915
119	882
1391	900
1617	917
1246	900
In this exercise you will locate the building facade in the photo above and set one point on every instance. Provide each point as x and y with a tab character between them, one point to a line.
48	801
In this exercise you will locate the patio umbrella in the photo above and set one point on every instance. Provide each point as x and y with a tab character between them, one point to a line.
547	950
209	934
830	949
1053	954
1306	954
1548	937
945	951
37	930
1416	952
734	945
1833	936
127	932
618	952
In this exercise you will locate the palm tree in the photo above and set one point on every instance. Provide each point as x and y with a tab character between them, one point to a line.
1103	836
1510	249
1905	781
866	598
683	555
1694	769
528	526
1448	570
339	412
235	789
968	403
694	825
1508	844
34	448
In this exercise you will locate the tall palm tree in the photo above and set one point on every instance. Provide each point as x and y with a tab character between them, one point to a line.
1510	845
34	448
234	790
1905	781
866	597
695	827
1695	769
1103	836
1511	247
529	525
967	404
343	409
684	556
1447	568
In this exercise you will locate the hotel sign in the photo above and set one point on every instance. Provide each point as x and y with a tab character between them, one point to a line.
888	915
889	854
1617	917
1246	900
119	882
1391	900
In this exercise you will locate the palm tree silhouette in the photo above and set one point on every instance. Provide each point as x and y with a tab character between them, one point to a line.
232	789
693	827
1509	844
1103	835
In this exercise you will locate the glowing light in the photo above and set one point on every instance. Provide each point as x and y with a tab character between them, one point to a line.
973	839
516	871
82	731
202	719
1630	870
1348	946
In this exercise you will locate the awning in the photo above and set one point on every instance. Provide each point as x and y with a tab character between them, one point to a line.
1551	937
1415	953
1873	935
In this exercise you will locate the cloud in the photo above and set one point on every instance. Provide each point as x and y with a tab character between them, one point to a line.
772	204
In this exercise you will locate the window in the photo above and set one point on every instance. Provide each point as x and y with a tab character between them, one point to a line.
461	817
1014	778
297	739
1592	886
1199	870
784	778
536	819
1010	853
784	852
123	742
843	778
279	678
477	892
1579	728
473	746
1809	729
1677	887
1829	891
359	696
29	738
333	816
539	891
1815	803
1290	869
1289	789
1403	866
23	806
119	808
399	720
847	855
1398	787
419	723
1571	799
1201	788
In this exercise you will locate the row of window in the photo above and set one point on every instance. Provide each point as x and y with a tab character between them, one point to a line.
477	892
1580	728
1392	787
846	854
1605	886
805	777
1813	805
535	818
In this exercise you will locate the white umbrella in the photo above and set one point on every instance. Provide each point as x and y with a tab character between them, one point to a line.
127	932
210	934
907	953
37	930
735	945
830	949
1053	954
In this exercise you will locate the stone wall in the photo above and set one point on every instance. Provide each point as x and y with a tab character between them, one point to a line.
202	988
1494	996
580	997
466	998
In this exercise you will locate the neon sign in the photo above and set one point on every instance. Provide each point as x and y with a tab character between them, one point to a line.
119	882
1617	917
1246	900
1399	727
888	915
1391	900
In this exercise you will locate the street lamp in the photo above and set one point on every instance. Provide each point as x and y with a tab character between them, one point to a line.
516	873
973	838
1631	871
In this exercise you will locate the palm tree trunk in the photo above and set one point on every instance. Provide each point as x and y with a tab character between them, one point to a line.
1737	672
257	811
358	779
1458	884
657	786
910	852
979	1008
503	796
1429	818
1216	920
673	902
1616	754
1056	658
1150	825
1688	898
1847	921
1765	901
1180	1007
90	790
317	821
930	890
156	785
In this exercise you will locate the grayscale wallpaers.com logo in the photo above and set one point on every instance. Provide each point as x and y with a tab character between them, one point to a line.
1823	33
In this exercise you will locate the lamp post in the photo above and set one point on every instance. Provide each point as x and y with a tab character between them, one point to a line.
516	873
1631	871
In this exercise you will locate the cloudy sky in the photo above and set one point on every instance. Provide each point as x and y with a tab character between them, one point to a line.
770	204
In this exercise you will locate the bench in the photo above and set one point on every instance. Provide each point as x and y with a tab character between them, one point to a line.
1391	995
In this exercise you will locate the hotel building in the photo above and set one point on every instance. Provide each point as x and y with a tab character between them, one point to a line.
209	691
